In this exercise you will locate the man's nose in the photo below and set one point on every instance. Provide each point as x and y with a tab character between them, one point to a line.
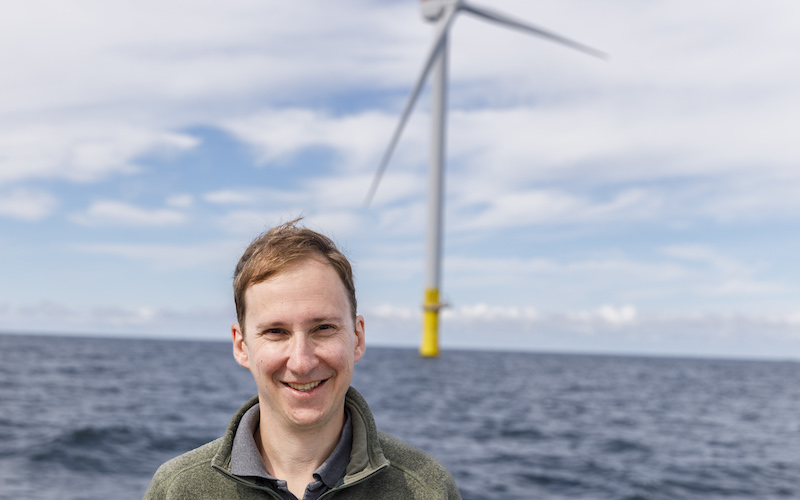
302	355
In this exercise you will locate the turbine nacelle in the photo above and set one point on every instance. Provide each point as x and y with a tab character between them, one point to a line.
432	10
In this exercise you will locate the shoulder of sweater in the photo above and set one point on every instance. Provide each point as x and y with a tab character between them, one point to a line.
399	449
412	460
188	461
181	470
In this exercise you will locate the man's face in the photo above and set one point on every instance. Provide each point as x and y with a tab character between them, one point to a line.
300	344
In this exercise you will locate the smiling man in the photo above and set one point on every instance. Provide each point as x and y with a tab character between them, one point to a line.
308	434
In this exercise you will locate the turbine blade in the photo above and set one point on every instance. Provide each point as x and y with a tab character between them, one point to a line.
529	28
443	26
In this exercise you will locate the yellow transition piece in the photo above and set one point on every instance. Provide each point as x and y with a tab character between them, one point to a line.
430	324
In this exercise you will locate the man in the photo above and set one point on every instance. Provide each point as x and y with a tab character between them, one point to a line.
308	434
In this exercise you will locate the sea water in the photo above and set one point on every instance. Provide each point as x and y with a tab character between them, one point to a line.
89	418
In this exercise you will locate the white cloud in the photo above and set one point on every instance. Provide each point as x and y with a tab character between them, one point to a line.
78	149
249	223
335	223
517	208
219	48
731	277
565	273
180	201
670	282
391	311
329	221
229	197
393	264
254	196
278	134
163	256
160	73
608	328
485	312
703	254
607	314
26	204
107	212
161	322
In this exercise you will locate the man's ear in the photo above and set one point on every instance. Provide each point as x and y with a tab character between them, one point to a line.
240	353
361	345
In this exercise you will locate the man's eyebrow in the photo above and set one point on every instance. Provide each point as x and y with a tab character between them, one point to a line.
332	318
266	325
271	322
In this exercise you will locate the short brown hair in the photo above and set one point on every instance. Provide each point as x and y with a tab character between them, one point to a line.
279	248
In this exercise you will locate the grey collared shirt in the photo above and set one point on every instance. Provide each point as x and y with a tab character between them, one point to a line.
246	459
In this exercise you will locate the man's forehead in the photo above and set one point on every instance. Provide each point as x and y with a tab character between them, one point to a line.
292	266
299	303
318	261
299	279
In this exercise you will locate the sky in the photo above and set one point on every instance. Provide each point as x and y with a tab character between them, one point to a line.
646	204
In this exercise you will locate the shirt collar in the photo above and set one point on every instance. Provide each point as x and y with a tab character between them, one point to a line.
246	459
333	469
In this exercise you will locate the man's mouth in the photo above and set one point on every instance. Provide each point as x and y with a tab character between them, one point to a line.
303	387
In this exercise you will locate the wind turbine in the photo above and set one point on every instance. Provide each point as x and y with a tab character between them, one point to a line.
443	12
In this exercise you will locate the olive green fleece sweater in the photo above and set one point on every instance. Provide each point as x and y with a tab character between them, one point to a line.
381	467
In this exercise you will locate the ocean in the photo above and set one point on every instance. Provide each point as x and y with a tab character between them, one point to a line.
91	418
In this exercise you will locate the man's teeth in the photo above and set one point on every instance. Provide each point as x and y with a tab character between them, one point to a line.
304	387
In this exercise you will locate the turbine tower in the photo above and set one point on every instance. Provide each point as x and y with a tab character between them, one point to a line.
442	12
